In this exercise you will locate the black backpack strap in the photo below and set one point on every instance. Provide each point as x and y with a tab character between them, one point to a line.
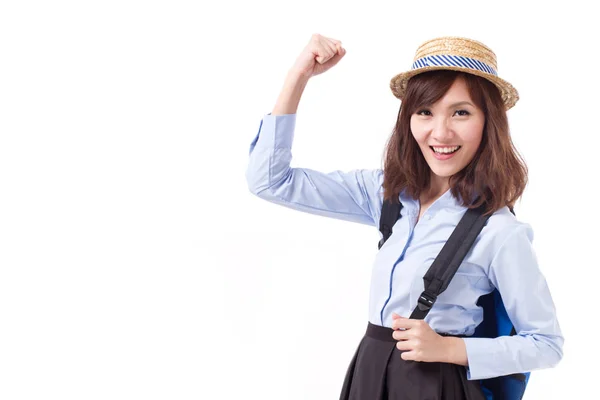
390	212
446	264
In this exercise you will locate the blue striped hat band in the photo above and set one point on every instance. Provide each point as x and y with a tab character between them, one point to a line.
453	61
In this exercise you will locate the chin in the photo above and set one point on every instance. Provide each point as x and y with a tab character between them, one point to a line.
443	174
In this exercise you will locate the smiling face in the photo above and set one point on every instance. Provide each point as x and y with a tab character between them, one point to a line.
449	131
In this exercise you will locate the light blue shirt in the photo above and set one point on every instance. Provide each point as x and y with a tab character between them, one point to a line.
502	256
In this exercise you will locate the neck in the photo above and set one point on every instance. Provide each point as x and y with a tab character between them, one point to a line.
437	187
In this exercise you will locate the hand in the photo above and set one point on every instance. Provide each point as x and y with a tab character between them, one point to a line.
420	342
320	54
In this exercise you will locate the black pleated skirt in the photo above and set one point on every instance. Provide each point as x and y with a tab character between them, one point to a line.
377	372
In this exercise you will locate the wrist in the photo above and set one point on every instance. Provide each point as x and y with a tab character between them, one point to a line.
455	351
296	76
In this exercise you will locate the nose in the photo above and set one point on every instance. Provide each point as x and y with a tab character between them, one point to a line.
442	130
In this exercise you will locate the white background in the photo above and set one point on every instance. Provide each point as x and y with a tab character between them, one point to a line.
135	263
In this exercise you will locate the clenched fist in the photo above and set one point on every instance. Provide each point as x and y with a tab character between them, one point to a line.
320	54
421	343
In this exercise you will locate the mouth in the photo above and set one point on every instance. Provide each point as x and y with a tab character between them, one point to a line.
446	155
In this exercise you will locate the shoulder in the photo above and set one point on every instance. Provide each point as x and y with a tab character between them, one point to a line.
376	175
505	229
376	179
502	222
370	181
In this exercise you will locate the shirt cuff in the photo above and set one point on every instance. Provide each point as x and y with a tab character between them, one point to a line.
275	132
484	360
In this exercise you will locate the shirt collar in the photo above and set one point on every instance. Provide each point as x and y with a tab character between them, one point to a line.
445	202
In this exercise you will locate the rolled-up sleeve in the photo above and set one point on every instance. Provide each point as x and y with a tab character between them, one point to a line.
347	195
514	271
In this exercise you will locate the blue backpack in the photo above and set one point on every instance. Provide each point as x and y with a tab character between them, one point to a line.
495	318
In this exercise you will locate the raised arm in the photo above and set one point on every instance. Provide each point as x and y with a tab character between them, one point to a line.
347	195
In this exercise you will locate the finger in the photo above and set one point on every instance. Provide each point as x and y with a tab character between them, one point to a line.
395	317
409	356
405	323
322	52
334	42
329	48
404	345
330	45
402	335
336	58
338	46
326	46
324	55
339	50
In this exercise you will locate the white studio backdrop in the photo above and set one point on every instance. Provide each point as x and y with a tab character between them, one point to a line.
135	263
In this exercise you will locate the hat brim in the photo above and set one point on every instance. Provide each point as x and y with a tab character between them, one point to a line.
510	96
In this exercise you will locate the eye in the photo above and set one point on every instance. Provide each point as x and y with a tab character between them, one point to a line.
423	111
463	111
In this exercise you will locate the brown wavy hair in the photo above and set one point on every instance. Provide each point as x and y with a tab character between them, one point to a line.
497	174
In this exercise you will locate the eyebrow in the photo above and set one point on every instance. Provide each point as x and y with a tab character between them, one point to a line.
460	103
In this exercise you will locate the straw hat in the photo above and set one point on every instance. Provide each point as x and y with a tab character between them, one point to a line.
457	54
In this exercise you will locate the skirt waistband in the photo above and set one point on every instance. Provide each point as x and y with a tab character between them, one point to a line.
385	334
380	333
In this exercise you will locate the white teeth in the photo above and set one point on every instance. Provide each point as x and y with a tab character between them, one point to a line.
445	149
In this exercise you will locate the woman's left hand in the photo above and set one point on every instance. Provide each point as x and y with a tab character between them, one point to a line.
418	340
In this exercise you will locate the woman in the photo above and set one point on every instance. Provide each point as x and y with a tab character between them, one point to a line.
450	151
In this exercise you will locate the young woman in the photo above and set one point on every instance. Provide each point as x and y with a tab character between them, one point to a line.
450	147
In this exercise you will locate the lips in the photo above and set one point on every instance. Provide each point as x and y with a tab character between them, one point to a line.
444	156
446	147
